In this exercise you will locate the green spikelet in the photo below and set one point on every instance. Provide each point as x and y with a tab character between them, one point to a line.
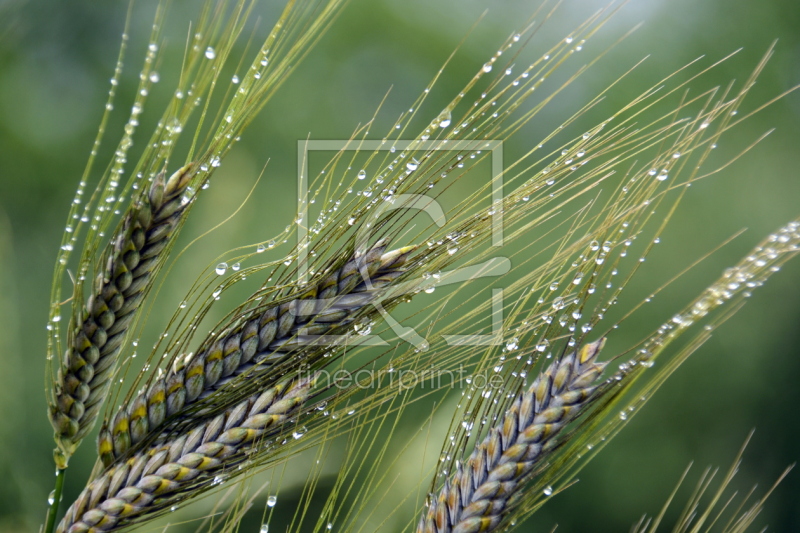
258	342
98	330
152	479
474	498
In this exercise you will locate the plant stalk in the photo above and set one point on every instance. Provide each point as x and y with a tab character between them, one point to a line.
52	511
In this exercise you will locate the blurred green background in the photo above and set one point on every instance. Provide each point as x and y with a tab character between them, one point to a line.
55	62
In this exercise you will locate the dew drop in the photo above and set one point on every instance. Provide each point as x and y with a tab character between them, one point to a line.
221	268
210	53
154	77
362	174
548	490
445	119
264	528
260	248
487	67
542	346
271	501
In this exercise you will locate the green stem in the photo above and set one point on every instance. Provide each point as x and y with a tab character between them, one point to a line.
52	512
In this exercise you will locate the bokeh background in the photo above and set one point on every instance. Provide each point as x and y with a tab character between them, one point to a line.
55	62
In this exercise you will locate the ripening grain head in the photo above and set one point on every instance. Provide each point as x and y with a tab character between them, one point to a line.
412	312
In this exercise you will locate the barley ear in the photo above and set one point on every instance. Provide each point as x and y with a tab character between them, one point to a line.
98	329
256	343
477	494
185	464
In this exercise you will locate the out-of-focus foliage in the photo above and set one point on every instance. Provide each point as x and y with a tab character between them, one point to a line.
55	61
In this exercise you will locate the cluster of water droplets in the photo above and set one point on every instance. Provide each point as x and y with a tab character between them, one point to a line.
752	272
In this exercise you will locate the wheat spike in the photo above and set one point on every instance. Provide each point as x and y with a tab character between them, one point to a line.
98	330
474	498
152	479
263	339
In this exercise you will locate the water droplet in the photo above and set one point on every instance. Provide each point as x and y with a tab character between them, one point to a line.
260	248
264	528
235	267
548	490
487	67
154	77
174	125
541	347
271	501
445	119
412	165
221	268
362	174
51	498
210	53
235	79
